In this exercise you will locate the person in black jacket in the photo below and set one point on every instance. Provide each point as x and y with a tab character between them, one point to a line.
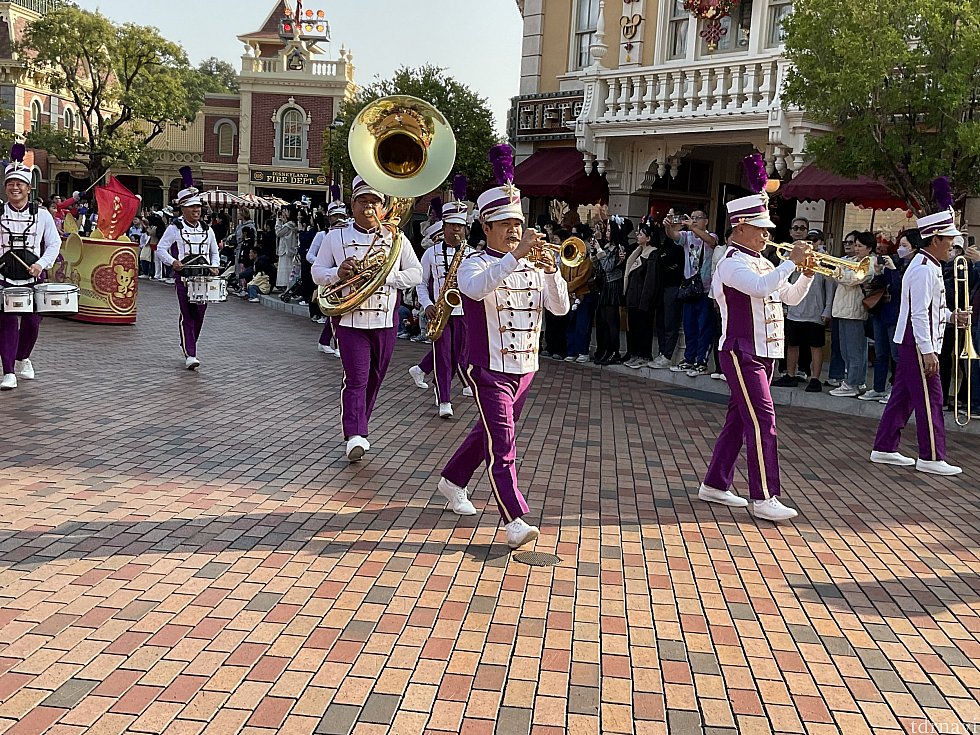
670	264
642	294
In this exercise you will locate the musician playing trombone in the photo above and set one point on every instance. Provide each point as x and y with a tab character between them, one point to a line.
922	320
449	350
750	293
504	294
366	334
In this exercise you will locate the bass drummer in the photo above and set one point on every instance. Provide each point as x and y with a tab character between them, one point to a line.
29	245
189	243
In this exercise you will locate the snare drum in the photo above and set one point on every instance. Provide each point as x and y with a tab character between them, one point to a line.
18	300
56	298
206	290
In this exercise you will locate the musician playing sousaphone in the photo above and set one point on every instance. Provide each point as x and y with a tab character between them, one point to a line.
188	246
446	326
29	245
505	289
367	333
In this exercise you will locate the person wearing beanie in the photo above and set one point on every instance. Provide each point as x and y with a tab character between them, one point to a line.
29	245
504	295
922	319
188	241
750	292
366	334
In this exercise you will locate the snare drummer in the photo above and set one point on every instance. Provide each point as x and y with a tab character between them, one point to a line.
24	227
186	242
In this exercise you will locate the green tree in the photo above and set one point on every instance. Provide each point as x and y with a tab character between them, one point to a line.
127	82
214	76
898	84
467	112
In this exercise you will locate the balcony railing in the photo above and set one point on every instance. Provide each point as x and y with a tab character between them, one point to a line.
701	90
264	65
38	6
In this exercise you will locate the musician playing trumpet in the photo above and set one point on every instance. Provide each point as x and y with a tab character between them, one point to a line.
504	293
366	334
750	293
449	350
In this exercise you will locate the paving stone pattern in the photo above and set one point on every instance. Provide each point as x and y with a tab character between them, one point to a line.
190	553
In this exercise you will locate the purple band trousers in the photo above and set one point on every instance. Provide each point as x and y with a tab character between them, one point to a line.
449	357
191	319
365	354
18	335
500	398
913	392
751	421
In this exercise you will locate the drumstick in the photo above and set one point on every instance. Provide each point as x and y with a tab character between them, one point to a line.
19	259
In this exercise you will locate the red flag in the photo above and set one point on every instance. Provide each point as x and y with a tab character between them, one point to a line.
117	207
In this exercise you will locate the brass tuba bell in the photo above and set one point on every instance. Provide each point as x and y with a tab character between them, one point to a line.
403	147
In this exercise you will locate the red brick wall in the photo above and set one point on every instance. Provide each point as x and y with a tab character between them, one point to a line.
211	101
264	106
211	138
219	176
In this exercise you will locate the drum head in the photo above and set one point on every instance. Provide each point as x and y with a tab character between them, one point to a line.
12	269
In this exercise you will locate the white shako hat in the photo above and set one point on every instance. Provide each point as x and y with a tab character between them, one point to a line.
432	230
361	187
456	210
941	223
753	209
189	196
502	201
16	170
336	205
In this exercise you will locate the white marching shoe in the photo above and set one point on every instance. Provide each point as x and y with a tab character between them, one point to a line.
896	458
937	467
418	376
445	410
520	533
468	392
9	382
24	369
356	447
456	497
772	510
192	363
723	497
336	351
325	349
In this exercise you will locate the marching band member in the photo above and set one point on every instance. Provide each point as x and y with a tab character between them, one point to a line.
448	353
433	236
922	320
367	333
503	296
750	293
336	218
30	244
188	241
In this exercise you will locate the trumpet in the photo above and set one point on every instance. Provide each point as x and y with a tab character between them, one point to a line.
963	348
571	253
824	264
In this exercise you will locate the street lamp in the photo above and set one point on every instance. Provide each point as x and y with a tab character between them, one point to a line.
335	171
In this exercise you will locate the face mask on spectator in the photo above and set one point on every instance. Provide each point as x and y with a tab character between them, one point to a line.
904	251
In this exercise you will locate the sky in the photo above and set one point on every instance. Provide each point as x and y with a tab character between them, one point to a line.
477	41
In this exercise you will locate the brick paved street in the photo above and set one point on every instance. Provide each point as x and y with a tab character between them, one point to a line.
188	553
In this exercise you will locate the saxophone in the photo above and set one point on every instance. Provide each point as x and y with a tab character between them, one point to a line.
449	297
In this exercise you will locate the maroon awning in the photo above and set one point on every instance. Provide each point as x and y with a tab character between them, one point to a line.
559	173
814	184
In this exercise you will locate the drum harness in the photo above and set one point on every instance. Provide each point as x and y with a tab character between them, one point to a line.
195	248
17	240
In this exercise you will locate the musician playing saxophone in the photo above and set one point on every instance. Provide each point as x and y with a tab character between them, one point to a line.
366	334
442	259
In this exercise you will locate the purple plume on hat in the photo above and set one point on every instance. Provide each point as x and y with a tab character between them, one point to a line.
17	152
942	193
755	172
335	192
461	187
186	176
502	162
435	206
